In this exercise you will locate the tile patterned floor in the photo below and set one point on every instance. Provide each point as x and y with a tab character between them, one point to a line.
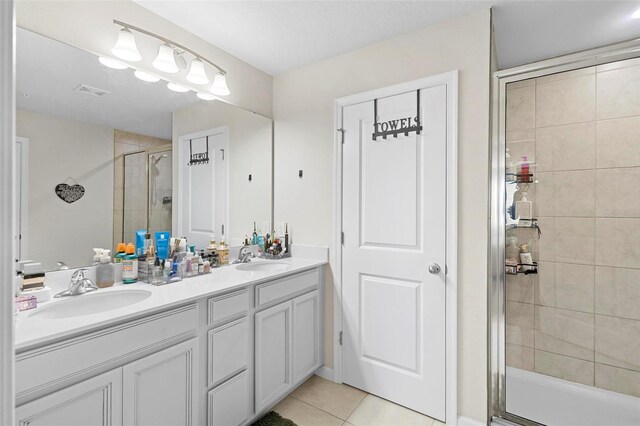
320	402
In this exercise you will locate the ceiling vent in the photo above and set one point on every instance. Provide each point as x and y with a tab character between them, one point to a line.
94	91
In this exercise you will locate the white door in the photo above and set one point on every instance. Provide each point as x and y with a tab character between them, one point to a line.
394	209
22	194
203	197
94	402
160	388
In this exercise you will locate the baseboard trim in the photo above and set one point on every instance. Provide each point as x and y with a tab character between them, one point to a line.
466	421
325	372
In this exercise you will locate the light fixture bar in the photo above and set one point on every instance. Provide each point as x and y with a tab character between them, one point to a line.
170	42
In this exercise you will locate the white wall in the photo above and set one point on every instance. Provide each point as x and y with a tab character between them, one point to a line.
305	136
58	149
88	25
250	147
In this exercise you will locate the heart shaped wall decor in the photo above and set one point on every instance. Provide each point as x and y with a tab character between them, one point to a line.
69	193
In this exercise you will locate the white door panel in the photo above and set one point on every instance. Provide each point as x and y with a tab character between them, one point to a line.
394	210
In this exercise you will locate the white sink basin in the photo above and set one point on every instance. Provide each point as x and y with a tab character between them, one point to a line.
90	303
264	267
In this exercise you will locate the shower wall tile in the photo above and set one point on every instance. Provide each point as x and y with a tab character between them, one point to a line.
615	344
517	150
547	243
618	192
618	292
619	93
575	240
152	142
121	136
521	83
521	107
520	321
566	286
564	332
571	147
617	65
520	288
520	357
618	143
618	242
118	199
571	193
118	172
520	135
565	75
618	380
563	367
567	101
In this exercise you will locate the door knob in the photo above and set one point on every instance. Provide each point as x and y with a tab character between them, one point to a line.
434	269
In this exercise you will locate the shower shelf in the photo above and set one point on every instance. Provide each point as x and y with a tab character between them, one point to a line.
519	177
517	269
526	224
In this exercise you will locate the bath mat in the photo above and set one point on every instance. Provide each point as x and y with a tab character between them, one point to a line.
273	419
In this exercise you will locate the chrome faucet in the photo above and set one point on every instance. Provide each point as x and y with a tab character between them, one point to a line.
79	284
245	255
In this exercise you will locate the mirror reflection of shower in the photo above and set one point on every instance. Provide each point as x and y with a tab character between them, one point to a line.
160	190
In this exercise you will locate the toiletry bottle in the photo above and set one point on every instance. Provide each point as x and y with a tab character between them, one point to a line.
188	270
526	259
254	236
212	247
97	254
147	243
104	271
512	252
524	208
130	266
121	253
524	169
223	253
286	238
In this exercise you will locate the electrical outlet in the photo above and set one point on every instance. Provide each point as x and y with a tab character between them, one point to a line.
280	229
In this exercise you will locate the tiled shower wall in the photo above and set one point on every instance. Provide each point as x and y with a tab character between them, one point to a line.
579	318
130	214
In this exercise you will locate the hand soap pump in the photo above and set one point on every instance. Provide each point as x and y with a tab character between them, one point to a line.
104	271
97	254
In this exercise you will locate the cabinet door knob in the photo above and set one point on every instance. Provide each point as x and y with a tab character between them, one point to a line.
434	269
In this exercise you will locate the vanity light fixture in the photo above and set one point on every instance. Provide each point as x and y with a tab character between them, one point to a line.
125	47
197	73
636	14
176	87
166	60
219	86
112	63
206	96
145	76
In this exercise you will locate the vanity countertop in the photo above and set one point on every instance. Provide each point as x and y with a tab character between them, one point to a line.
32	331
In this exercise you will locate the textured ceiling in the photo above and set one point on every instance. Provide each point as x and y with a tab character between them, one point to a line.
276	36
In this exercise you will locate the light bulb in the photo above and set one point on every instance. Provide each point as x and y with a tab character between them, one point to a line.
177	88
145	76
165	61
125	47
197	74
219	86
112	63
206	96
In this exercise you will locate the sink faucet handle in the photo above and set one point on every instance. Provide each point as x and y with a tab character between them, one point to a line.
79	275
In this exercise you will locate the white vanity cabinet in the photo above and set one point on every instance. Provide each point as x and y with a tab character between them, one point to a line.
287	340
159	389
93	402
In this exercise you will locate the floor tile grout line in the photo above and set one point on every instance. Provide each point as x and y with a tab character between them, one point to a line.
356	407
317	408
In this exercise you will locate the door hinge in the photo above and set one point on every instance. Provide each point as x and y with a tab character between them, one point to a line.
340	338
342	238
341	135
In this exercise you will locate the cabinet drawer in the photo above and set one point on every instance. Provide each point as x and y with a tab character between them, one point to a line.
228	306
228	350
229	402
285	287
56	364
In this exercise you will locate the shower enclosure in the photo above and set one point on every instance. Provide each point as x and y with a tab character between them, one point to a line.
565	255
147	192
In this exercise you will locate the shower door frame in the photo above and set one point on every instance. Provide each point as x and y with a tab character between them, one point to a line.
497	307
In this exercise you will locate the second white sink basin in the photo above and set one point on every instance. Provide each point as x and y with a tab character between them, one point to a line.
90	303
264	267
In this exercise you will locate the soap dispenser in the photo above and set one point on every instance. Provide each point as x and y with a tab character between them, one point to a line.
104	271
97	254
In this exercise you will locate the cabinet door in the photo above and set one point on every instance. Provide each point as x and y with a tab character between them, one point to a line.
273	353
228	403
306	335
159	389
94	402
228	350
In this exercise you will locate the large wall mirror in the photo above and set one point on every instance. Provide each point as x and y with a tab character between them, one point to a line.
102	154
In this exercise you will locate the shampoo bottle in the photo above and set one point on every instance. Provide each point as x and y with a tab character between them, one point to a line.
524	208
121	253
